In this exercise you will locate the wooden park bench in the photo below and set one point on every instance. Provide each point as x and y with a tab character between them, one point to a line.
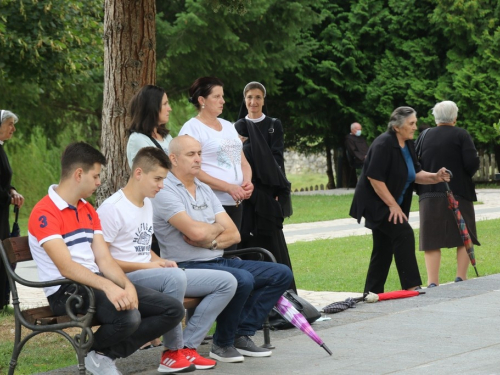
41	319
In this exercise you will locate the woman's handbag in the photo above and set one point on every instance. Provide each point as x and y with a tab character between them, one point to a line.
277	321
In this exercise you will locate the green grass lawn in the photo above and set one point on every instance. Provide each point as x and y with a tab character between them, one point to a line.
341	264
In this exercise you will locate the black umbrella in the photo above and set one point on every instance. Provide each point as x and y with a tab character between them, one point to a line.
336	307
16	232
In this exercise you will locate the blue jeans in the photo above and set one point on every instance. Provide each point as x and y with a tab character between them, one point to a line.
123	332
217	288
260	284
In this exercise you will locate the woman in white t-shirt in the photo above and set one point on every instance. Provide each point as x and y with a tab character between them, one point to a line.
224	166
150	111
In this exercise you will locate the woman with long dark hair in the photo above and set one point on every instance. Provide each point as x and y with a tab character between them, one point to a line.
150	111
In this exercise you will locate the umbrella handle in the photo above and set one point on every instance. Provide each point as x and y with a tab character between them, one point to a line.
445	183
16	211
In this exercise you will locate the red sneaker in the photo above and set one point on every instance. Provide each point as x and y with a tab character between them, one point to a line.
195	358
174	361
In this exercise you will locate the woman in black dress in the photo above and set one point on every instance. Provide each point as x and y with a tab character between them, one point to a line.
383	197
262	223
452	147
8	194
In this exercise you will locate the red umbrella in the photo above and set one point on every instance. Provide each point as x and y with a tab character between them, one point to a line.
462	227
291	314
372	297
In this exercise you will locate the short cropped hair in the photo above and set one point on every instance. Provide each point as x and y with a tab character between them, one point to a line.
5	115
150	158
203	87
80	155
446	111
399	116
353	125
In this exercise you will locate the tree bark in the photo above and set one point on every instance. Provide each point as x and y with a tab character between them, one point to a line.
129	63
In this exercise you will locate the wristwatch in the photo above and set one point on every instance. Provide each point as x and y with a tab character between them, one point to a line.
214	245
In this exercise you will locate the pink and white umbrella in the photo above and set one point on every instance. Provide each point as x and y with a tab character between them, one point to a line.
291	314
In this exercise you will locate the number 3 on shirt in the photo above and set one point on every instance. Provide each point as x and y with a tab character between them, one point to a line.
43	221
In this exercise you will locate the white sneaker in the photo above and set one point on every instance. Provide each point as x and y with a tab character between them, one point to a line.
98	364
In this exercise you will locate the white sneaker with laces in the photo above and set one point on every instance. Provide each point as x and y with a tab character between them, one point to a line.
98	364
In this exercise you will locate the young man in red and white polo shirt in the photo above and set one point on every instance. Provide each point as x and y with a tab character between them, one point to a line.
66	242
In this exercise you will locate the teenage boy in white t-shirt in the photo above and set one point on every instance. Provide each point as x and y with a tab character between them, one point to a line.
127	224
66	241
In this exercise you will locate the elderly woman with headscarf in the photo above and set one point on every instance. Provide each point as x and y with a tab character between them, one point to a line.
383	197
8	194
263	212
452	147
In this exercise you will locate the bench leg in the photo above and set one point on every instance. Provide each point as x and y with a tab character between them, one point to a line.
266	328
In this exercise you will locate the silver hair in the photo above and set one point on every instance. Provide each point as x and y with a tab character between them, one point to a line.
254	85
354	124
5	115
399	116
445	112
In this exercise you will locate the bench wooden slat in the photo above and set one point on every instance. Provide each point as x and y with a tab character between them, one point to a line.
17	249
44	316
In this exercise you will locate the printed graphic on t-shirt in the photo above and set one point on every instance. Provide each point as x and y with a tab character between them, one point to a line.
229	154
142	239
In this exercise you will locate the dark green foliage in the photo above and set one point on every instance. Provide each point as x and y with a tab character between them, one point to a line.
193	41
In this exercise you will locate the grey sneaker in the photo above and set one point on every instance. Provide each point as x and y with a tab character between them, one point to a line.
97	364
246	346
227	354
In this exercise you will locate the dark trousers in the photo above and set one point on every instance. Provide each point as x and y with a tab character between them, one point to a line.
392	239
236	214
260	284
123	332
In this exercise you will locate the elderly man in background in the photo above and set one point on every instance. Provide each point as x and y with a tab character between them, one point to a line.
356	147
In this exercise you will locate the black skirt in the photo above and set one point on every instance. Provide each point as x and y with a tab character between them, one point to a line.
438	226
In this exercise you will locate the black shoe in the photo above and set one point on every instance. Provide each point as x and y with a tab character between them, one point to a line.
227	354
431	285
247	347
458	279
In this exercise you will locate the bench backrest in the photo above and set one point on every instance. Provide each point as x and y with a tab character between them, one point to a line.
17	249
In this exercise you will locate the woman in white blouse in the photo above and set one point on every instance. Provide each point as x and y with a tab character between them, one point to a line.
150	111
224	166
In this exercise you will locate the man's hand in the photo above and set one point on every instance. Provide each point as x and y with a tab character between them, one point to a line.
122	299
163	263
202	244
132	295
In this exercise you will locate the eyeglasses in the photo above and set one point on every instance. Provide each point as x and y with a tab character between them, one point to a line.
200	207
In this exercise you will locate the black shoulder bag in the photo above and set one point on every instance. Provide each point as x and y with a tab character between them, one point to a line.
311	313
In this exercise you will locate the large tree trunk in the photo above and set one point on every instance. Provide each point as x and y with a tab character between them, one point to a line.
129	63
329	169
